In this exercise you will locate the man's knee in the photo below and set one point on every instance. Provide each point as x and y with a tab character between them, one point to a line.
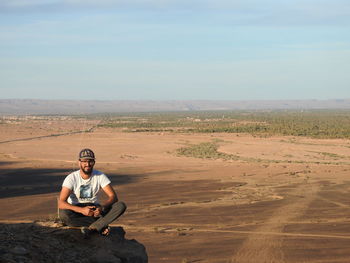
123	205
64	216
120	206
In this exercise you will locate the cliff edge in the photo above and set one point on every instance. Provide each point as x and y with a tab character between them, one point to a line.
48	241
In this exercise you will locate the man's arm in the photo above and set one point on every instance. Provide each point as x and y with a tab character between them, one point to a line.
63	204
112	196
111	199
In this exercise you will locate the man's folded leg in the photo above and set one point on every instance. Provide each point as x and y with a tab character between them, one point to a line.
71	218
115	211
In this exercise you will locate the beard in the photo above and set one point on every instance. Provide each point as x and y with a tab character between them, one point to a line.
86	169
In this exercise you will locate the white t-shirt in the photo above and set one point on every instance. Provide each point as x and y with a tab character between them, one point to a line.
85	190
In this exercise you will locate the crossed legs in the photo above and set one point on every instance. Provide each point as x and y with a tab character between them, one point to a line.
71	218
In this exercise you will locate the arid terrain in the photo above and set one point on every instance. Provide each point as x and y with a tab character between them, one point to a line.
262	199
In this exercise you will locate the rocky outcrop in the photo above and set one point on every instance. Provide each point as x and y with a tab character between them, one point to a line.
50	242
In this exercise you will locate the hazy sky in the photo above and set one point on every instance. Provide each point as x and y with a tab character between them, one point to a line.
180	49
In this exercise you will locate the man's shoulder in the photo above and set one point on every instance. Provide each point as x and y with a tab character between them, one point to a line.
73	175
101	177
98	173
71	179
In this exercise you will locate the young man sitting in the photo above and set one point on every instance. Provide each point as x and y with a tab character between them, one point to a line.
78	202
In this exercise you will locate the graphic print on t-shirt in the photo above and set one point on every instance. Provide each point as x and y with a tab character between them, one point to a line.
85	191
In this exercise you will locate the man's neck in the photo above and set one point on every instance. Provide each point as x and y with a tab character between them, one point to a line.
84	175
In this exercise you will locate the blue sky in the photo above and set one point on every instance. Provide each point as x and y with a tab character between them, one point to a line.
175	50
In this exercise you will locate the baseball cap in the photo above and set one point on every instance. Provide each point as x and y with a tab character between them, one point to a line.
86	154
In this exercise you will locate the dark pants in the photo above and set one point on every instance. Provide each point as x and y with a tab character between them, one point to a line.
71	218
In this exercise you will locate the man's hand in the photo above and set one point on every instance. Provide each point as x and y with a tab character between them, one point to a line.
88	210
97	211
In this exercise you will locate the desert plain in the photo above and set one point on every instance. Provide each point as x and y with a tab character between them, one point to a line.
280	199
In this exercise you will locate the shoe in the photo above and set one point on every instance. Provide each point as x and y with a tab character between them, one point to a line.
105	231
86	231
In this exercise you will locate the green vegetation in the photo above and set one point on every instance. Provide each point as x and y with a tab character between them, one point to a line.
316	124
205	150
209	150
310	123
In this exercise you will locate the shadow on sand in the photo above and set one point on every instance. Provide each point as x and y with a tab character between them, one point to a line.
27	181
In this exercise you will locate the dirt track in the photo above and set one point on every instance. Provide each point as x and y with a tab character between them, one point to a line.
288	203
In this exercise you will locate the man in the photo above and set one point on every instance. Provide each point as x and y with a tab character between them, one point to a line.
78	202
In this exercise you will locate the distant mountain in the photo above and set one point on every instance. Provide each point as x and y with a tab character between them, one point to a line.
34	106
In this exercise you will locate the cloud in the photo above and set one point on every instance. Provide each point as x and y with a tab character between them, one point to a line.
239	12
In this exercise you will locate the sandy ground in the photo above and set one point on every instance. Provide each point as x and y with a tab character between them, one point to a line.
285	200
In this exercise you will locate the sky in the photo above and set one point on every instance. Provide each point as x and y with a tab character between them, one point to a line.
175	50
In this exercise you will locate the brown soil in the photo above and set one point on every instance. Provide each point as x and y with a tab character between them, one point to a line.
285	200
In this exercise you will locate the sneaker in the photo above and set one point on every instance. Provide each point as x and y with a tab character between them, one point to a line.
105	231
86	231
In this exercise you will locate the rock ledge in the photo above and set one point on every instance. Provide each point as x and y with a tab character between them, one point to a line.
50	242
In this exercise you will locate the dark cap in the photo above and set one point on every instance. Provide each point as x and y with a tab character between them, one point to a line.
86	154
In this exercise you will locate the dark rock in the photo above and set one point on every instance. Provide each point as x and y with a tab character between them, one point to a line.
19	250
104	256
45	242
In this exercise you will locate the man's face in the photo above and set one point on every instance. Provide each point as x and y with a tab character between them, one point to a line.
86	165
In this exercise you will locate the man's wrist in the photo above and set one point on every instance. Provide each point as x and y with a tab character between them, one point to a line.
78	209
